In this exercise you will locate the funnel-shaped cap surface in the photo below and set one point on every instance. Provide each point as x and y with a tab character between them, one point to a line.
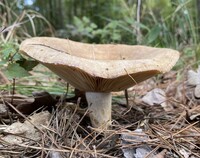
99	67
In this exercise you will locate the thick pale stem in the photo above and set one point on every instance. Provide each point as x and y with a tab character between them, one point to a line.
99	105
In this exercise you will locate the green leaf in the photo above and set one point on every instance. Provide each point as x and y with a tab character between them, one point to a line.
88	29
112	25
78	23
3	62
28	65
15	71
16	57
153	34
93	25
86	20
7	52
116	37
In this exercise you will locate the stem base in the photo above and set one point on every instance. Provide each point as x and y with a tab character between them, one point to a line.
99	105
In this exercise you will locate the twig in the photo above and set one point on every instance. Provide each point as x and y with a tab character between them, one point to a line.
138	32
67	150
126	96
13	91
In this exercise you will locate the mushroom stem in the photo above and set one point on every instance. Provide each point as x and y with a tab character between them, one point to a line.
99	105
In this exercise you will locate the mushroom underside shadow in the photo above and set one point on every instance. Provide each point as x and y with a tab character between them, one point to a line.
89	83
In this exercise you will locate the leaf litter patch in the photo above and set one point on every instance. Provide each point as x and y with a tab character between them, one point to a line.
66	132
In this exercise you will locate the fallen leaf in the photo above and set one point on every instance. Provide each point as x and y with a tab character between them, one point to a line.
193	78
154	97
185	153
18	132
197	92
134	138
157	97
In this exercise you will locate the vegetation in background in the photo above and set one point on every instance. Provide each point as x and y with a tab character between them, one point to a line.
163	23
17	24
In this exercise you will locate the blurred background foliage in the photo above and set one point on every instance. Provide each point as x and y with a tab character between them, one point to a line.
163	23
159	23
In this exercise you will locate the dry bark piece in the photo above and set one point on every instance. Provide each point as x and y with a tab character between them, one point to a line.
16	99
42	100
99	69
28	105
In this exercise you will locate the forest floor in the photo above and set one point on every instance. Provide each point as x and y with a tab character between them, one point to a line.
160	120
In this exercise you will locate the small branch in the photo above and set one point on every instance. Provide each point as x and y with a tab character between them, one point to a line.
126	96
13	90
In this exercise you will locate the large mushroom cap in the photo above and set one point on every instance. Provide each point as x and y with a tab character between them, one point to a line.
99	67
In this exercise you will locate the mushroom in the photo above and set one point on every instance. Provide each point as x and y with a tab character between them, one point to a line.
99	69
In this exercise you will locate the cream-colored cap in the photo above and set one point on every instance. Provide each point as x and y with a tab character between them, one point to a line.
99	67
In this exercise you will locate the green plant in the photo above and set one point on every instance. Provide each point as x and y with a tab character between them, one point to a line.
16	25
12	64
82	29
19	23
